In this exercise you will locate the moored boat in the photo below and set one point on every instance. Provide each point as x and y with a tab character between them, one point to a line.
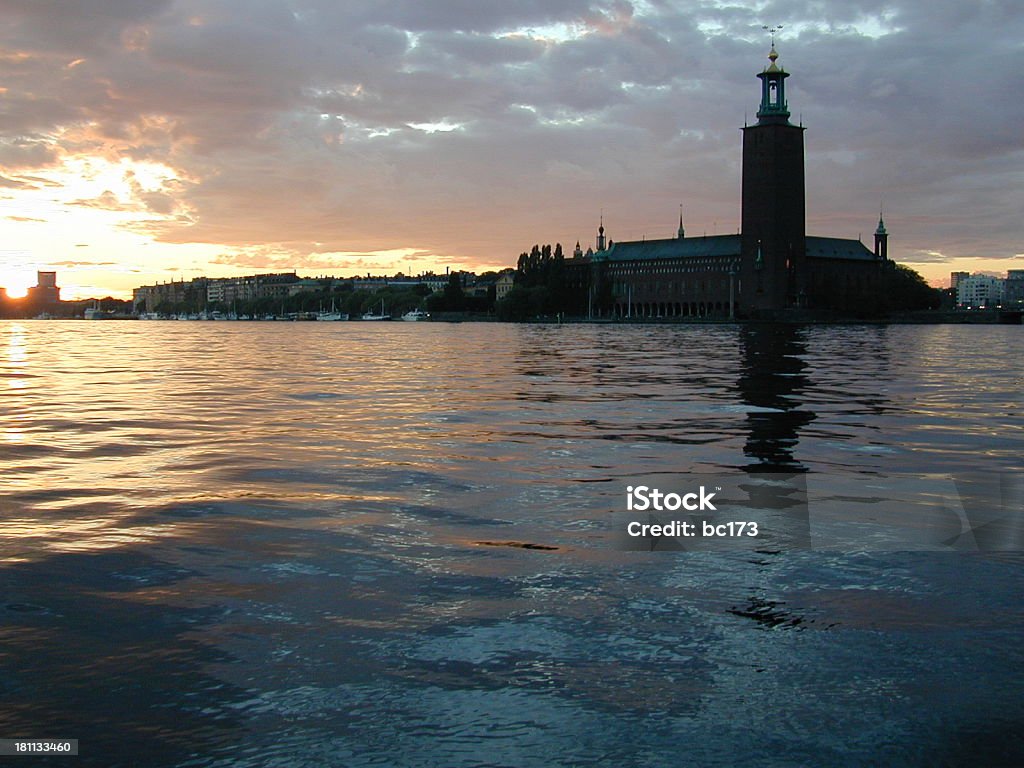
375	316
333	315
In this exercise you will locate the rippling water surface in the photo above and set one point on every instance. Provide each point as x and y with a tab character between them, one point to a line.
294	544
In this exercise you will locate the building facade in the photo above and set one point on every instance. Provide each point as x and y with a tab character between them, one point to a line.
979	292
771	268
45	294
1013	290
956	277
230	290
195	295
505	283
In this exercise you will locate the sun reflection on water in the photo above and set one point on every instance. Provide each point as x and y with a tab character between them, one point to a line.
15	371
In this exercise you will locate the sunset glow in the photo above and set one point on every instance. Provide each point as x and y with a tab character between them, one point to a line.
158	141
17	282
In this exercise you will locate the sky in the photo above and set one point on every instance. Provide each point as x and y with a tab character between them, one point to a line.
143	141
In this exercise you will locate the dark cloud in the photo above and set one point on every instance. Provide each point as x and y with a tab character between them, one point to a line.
18	153
59	27
473	129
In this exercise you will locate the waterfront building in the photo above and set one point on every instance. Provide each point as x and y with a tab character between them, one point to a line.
196	294
376	283
150	299
275	285
45	294
979	291
505	283
770	268
305	285
1013	289
229	290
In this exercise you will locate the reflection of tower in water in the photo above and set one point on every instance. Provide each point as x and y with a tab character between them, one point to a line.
773	381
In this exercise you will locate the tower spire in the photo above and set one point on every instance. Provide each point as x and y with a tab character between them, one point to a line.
771	31
881	238
773	240
682	232
773	88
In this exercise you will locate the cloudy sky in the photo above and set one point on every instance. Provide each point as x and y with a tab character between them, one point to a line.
148	140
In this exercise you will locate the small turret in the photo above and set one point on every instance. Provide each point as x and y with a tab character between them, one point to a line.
881	240
773	92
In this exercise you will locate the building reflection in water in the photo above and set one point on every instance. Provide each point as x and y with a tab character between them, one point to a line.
772	381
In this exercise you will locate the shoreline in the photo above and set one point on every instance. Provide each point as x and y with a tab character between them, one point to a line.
924	317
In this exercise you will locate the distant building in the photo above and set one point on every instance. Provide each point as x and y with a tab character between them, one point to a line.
230	290
45	294
979	291
956	277
770	267
275	285
1013	291
195	295
505	283
305	285
433	282
176	295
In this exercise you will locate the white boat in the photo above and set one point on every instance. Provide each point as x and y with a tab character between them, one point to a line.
373	316
414	315
334	314
93	313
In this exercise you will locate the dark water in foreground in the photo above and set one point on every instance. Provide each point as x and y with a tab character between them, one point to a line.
258	544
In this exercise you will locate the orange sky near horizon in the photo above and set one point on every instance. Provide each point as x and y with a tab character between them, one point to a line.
165	140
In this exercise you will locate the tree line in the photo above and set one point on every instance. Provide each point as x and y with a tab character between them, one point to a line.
540	288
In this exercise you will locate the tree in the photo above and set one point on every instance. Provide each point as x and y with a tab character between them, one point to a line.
909	290
454	298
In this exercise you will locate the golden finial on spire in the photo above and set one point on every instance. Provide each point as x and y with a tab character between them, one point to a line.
773	54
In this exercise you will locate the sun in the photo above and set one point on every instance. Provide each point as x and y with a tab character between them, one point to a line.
16	281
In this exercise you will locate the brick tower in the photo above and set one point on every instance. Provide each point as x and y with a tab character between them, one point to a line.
772	221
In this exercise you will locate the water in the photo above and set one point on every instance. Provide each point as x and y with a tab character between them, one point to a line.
297	544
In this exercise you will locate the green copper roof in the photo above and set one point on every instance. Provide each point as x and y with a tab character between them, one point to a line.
719	246
675	248
837	248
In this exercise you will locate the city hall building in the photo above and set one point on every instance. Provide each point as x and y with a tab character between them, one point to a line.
772	268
